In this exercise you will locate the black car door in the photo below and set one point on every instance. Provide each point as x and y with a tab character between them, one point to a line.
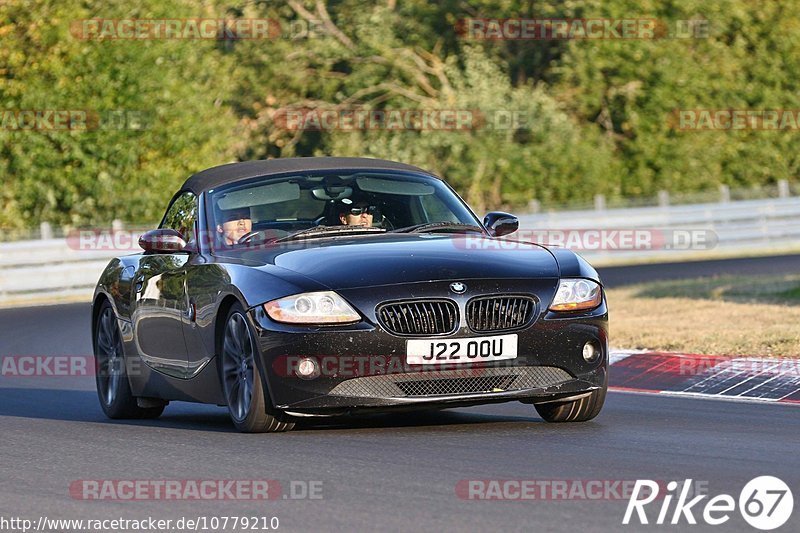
161	306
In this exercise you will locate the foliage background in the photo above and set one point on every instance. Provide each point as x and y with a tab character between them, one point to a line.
600	108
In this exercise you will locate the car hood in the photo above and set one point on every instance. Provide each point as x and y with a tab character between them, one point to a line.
363	261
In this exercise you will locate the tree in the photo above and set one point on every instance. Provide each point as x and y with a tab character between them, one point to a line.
156	113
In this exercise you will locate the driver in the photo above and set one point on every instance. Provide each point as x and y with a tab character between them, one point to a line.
359	213
234	224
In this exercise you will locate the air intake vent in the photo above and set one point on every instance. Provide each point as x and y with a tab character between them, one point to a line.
435	387
500	313
449	382
419	317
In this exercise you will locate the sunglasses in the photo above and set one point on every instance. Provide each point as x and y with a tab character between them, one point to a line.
358	211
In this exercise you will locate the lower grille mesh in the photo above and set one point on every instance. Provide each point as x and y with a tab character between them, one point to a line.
434	387
447	382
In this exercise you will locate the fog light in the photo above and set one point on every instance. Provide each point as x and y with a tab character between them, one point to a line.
307	368
590	352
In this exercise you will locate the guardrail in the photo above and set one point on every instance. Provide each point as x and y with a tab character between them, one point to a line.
41	271
720	228
48	269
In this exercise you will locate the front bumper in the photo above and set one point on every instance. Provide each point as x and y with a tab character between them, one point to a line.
363	366
334	404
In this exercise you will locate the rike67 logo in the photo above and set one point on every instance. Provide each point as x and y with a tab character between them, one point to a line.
765	503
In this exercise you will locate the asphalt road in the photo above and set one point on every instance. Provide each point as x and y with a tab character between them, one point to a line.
394	473
746	266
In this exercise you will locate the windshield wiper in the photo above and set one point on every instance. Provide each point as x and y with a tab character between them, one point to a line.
327	231
453	227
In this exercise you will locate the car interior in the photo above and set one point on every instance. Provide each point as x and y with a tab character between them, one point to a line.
278	209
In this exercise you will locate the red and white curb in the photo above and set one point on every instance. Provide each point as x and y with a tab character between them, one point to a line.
707	376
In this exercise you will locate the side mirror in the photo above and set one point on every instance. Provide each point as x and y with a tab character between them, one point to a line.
164	241
499	223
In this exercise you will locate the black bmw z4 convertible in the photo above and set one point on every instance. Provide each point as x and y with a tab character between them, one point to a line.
314	287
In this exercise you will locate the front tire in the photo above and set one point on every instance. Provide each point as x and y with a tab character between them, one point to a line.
241	381
111	376
580	410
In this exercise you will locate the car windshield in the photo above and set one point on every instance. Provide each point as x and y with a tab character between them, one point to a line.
278	209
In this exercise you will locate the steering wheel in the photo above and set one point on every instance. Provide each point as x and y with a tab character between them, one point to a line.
385	224
247	237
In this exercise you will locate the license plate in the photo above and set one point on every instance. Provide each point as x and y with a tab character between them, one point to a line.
454	351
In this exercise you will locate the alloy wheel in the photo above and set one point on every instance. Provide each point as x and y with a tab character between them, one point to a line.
238	366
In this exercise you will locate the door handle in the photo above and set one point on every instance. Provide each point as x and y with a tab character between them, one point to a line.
191	312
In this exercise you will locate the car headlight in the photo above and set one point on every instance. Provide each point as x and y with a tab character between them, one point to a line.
577	295
325	307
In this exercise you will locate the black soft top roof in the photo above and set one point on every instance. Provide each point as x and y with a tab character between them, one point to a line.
233	172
